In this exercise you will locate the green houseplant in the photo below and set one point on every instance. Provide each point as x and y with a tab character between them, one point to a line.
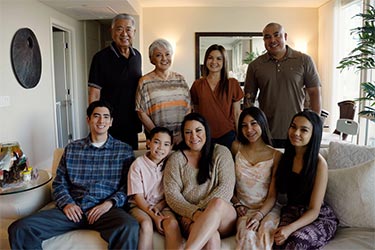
363	58
250	56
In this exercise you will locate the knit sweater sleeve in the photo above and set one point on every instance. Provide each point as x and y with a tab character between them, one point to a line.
173	186
222	177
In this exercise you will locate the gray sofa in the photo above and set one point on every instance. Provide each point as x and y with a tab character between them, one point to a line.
361	236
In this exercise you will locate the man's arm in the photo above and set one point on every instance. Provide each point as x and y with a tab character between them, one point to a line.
237	112
94	94
61	186
250	88
315	99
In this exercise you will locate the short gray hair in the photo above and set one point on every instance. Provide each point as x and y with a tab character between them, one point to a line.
159	43
122	16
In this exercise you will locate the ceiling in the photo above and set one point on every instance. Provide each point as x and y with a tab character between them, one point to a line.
106	9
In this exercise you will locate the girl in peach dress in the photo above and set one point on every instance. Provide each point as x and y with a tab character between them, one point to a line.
255	195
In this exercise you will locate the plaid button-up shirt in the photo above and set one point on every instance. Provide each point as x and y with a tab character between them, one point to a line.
88	175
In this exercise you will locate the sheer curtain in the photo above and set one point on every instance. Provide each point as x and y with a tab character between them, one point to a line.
336	20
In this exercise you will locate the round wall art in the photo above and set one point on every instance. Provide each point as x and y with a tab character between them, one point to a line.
26	58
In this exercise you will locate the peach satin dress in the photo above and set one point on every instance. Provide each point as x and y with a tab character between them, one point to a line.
252	183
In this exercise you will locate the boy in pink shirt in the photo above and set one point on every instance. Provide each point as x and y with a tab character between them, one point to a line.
145	188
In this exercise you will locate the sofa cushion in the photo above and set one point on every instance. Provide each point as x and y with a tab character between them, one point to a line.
352	238
344	155
351	194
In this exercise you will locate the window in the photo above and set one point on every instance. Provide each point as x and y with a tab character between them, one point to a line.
347	80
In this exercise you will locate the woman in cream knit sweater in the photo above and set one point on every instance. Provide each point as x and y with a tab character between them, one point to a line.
199	181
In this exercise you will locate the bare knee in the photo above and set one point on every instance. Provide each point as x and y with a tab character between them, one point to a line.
217	204
146	226
170	224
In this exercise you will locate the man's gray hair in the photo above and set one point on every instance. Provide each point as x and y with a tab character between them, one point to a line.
122	16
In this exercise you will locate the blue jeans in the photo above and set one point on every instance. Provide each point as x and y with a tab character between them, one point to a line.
226	140
116	227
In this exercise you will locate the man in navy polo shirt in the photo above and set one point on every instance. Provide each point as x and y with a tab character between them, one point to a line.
114	76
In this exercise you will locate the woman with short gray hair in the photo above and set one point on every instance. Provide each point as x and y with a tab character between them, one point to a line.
163	97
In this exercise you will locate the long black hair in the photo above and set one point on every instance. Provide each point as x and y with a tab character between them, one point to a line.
205	162
261	119
224	82
310	158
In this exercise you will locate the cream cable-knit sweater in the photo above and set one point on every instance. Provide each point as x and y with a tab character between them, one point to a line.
182	192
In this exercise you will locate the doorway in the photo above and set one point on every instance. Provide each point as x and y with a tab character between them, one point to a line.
63	95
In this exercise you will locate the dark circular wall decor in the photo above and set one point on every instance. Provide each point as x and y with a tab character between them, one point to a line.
26	58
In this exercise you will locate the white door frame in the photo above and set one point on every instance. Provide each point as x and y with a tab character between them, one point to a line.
71	75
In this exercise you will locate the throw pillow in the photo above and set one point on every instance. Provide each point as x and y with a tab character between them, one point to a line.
351	194
343	155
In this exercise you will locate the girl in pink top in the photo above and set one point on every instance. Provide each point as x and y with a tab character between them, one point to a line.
145	189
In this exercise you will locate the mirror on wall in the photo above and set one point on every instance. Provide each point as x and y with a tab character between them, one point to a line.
241	47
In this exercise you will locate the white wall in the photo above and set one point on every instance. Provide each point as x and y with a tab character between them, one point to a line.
30	117
180	24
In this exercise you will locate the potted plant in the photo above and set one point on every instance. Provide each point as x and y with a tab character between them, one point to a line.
363	58
250	56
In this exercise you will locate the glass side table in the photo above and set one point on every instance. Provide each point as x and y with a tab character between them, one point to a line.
22	200
43	178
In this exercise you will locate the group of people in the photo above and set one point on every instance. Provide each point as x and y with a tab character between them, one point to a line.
280	80
224	176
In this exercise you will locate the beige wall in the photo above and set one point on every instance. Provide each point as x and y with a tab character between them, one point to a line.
326	63
30	119
180	24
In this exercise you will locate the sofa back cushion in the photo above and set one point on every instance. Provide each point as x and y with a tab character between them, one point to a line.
351	194
344	155
351	189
